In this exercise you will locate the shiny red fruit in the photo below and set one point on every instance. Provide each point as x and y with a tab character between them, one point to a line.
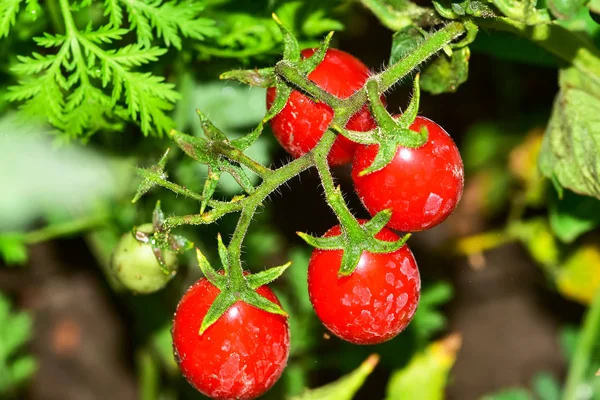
372	305
421	185
302	122
238	357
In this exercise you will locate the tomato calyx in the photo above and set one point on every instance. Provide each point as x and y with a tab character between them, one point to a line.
355	238
161	241
391	132
235	285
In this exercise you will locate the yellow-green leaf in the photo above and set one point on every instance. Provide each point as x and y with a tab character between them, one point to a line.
579	277
344	388
425	377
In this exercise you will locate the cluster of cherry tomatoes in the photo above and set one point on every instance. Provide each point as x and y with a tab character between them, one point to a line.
244	353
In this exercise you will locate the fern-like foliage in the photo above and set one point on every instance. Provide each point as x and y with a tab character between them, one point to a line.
83	86
8	15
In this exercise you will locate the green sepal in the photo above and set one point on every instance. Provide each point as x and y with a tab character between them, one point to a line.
308	65
195	147
256	300
264	277
356	136
282	94
180	244
219	307
408	117
391	134
323	243
223	254
209	129
264	77
350	260
158	217
238	173
156	171
291	48
210	185
354	241
208	271
378	222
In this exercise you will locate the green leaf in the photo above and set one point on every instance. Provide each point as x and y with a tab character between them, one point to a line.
426	375
8	15
445	74
546	387
404	41
344	388
564	9
429	320
13	249
573	215
510	394
169	19
571	148
15	331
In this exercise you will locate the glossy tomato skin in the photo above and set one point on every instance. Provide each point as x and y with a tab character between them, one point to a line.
421	185
302	122
238	357
372	305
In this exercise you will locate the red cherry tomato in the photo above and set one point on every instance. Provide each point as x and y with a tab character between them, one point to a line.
372	305
421	185
302	122
238	357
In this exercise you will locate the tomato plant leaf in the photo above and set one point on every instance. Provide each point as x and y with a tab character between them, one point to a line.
579	276
16	330
344	388
13	249
546	387
426	375
429	320
510	394
404	41
445	74
573	215
571	148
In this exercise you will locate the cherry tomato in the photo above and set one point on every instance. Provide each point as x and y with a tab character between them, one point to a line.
421	185
238	357
373	304
135	265
302	122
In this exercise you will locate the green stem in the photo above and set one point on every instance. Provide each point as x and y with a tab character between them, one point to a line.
334	197
243	159
580	369
556	39
65	229
430	46
148	375
293	75
345	108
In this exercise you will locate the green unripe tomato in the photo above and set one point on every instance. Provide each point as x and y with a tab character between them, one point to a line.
136	267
